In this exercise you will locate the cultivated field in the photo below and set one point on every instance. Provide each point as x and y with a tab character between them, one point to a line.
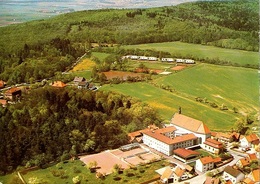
201	51
167	103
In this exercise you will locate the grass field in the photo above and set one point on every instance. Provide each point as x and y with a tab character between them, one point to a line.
65	172
167	103
85	64
201	51
231	86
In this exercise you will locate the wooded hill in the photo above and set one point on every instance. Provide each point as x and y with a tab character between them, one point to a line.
38	49
54	124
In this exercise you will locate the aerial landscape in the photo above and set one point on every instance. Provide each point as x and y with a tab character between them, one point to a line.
136	91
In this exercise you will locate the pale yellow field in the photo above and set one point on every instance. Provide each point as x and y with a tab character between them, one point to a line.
85	64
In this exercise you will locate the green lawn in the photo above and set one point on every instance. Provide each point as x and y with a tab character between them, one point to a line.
231	86
201	51
65	172
100	55
167	103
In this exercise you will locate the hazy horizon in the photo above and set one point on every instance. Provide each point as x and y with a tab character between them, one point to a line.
16	11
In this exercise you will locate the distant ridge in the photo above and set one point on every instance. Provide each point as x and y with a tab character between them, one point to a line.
17	11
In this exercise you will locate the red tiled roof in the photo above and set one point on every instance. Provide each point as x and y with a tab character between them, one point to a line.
166	130
214	134
248	181
224	135
58	84
167	173
185	153
2	84
206	160
252	138
12	90
179	171
256	175
252	156
216	160
3	102
168	140
190	124
213	143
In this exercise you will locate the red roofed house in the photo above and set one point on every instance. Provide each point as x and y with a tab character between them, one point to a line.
2	84
185	124
186	155
243	162
251	141
170	175
13	93
3	102
255	176
163	141
58	84
205	164
252	157
213	146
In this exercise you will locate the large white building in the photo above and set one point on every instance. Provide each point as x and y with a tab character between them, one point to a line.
165	140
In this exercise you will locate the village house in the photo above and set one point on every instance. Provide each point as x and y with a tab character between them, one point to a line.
58	84
232	175
185	124
77	80
205	164
255	176
186	155
3	102
13	93
210	180
252	157
225	137
173	175
243	162
249	141
213	146
2	84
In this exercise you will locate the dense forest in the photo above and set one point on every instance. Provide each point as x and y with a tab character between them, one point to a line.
38	49
55	124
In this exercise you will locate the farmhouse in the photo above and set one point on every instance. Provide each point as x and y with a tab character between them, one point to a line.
185	124
77	80
205	164
13	93
213	146
233	175
251	141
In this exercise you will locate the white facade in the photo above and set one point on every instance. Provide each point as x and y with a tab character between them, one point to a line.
204	167
158	145
189	61
233	175
168	59
152	58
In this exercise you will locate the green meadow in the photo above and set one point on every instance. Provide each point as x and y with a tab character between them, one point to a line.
167	103
202	51
229	86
